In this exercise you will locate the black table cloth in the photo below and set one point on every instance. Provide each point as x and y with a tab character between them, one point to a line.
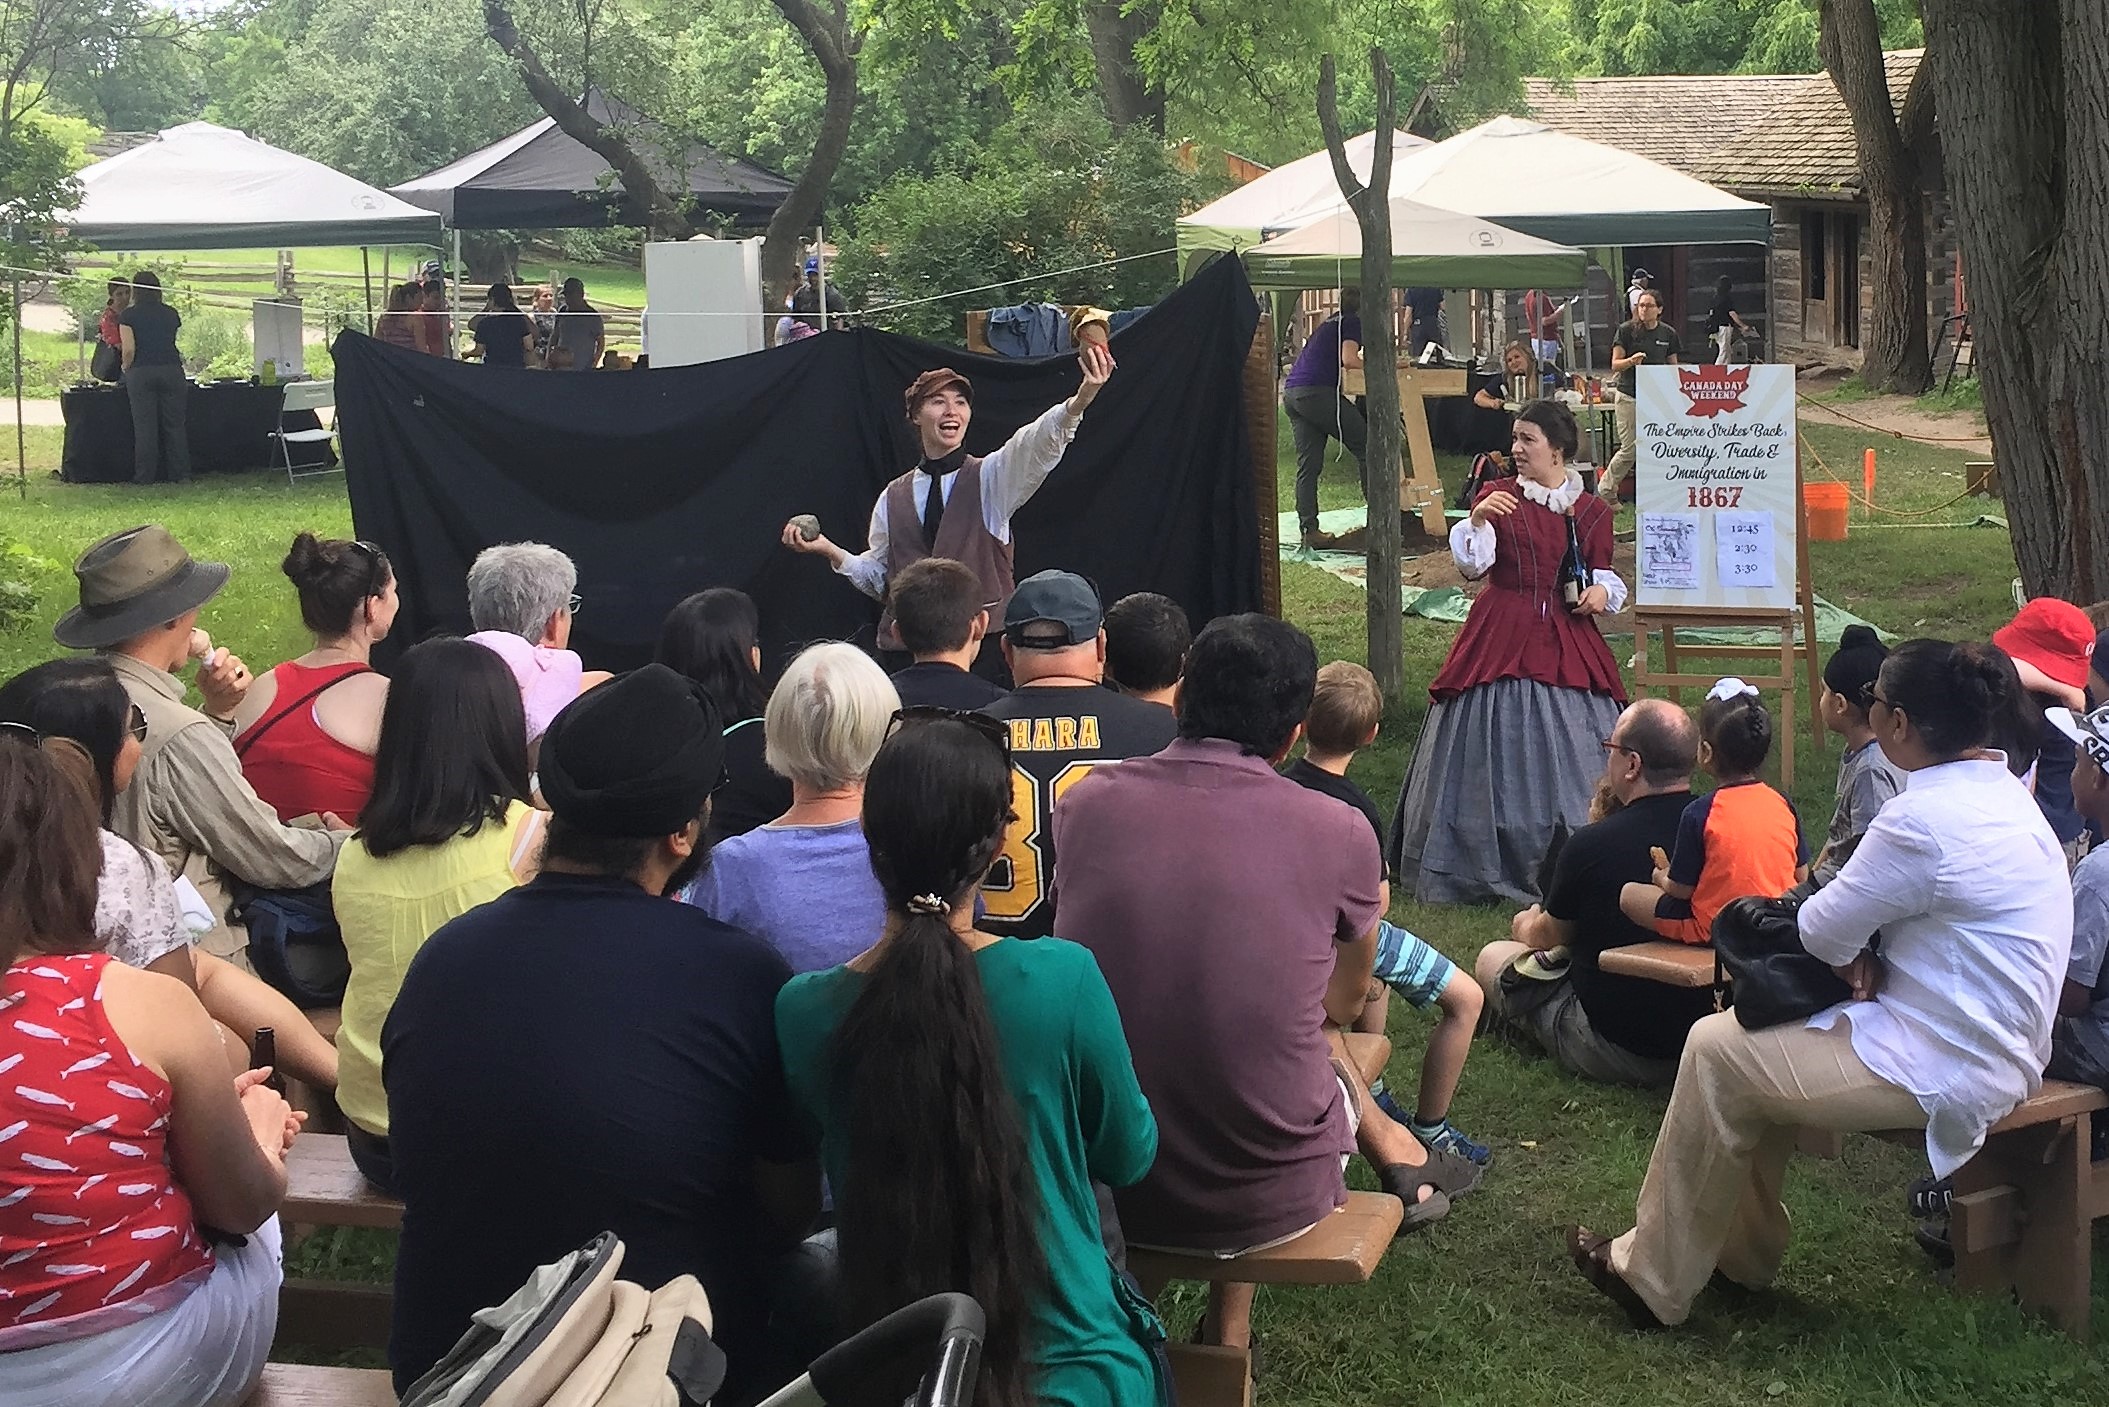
230	426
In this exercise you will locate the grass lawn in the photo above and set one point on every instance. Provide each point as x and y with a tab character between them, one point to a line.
1482	1309
621	284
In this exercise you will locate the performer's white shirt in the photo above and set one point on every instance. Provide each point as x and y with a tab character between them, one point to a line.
1009	477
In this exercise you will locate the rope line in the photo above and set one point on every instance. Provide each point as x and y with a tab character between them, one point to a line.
1871	506
1885	430
1012	283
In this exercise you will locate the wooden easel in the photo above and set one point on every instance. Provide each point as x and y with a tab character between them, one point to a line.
1671	619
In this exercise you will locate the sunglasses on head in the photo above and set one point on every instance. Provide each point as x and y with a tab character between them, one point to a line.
376	566
981	723
135	724
21	733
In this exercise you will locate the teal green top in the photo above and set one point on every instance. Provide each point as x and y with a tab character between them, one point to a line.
1084	1117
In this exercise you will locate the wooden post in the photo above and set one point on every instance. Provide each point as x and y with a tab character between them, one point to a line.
1262	429
366	276
1806	591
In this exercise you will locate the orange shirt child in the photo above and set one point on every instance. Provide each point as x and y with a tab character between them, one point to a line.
1739	840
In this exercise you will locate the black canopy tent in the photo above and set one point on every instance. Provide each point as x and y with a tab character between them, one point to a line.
543	178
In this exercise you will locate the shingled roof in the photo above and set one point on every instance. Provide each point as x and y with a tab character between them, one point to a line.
1677	120
1805	145
1758	134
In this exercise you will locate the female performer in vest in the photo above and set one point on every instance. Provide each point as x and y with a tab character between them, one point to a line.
969	518
1514	737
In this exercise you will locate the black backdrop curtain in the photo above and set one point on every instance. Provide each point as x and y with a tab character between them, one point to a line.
660	483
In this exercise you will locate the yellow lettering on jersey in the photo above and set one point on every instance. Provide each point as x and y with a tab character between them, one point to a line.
1087	736
1043	735
1065	734
1021	735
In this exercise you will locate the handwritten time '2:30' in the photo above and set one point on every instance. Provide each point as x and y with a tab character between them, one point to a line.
1744	543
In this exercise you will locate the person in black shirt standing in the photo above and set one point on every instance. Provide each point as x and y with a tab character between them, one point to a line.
1063	723
811	297
1647	340
1426	305
1724	320
155	383
1617	1030
582	1055
941	618
502	333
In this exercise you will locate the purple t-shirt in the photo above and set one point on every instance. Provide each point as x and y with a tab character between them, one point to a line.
1213	892
806	891
1318	364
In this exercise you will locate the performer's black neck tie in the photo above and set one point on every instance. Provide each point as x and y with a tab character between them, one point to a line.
934	505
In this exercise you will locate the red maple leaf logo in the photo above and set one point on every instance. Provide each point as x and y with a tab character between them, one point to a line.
1713	390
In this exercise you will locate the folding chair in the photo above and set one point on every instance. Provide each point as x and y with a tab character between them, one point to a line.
309	396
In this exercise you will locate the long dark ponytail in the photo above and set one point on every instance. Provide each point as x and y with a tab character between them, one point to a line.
938	1193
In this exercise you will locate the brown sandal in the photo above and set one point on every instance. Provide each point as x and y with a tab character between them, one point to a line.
1592	1256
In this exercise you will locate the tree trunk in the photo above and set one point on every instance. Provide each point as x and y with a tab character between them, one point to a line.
1895	354
2023	91
1380	477
1130	98
490	256
663	214
827	32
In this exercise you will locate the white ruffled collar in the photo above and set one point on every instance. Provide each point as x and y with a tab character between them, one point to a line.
1560	499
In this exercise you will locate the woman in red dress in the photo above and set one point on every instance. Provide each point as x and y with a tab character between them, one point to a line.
1513	741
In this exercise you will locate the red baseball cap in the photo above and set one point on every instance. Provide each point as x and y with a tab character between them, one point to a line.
2055	636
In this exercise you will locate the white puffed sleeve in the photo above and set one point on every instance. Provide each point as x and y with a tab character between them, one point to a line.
1472	544
1614	588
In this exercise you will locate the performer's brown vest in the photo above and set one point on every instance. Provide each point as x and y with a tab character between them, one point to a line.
961	535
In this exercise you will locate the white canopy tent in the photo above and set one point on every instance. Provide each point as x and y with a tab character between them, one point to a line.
199	186
1238	220
1437	248
1540	181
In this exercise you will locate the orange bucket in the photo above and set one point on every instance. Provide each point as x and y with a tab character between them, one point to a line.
1827	504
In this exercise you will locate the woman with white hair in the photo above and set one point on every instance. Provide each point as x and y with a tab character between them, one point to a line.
803	883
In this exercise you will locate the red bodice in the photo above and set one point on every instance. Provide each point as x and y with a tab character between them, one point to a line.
1520	627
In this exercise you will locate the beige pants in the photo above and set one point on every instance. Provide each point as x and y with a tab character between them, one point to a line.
1626	411
1711	1199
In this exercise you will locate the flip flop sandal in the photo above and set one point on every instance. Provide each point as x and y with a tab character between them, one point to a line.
1405	1182
1592	1256
1930	1196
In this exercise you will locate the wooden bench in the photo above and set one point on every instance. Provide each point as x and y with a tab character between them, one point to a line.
1341	1250
1672	964
298	1385
325	1188
2022	1217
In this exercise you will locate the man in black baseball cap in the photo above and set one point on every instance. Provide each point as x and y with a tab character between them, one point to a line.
583	1055
1063	722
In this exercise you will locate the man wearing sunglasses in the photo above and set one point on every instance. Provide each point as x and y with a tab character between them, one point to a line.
140	593
1616	1030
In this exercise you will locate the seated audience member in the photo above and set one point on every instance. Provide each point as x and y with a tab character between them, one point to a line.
1234	915
188	802
306	731
139	918
1063	724
114	1293
2079	1043
1867	779
1346	709
522	596
714	638
1741	839
628	1079
803	883
449	828
2051	643
1948	1027
938	610
1147	638
949	1058
1596	1024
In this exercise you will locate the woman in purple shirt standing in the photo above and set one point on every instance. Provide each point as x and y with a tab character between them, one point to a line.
1317	410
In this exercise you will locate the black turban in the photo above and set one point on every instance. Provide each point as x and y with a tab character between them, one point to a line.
635	757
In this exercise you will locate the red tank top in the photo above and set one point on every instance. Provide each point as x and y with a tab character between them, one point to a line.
298	769
91	1218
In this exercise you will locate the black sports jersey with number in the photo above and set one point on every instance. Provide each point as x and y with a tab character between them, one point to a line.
1058	734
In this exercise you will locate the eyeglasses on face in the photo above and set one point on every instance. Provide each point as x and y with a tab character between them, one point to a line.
1614	745
573	603
21	733
135	724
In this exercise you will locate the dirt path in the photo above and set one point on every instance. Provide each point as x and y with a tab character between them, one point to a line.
1951	429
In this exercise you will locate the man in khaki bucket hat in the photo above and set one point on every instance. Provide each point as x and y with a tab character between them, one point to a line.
140	593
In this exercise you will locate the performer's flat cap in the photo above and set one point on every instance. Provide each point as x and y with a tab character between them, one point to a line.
931	382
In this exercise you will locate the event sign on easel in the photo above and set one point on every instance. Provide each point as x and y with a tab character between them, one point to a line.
1720	532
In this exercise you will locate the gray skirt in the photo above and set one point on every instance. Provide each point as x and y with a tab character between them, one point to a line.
1496	769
